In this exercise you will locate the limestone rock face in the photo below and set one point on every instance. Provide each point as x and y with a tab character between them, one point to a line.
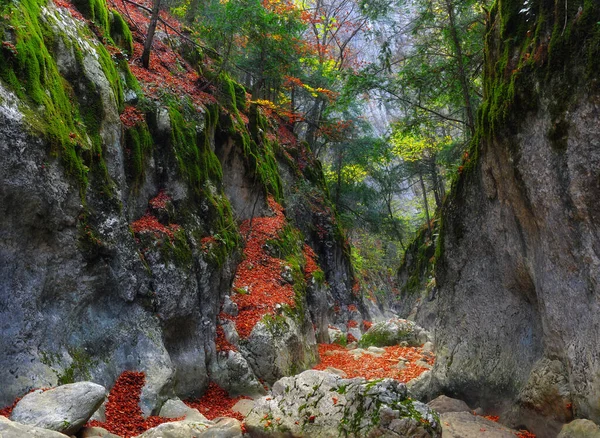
64	409
319	404
518	275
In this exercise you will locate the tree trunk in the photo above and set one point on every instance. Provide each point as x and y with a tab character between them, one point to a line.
462	76
425	202
150	35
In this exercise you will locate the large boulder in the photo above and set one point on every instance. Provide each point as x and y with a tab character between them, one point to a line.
11	429
221	428
393	332
580	429
318	404
467	425
443	404
63	409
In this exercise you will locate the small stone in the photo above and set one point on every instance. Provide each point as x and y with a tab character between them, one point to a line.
96	432
443	404
335	371
428	347
175	408
244	406
376	350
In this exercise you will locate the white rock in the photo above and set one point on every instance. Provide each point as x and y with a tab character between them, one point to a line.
64	409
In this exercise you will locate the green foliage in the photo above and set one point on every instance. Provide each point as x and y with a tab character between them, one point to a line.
120	33
138	146
96	11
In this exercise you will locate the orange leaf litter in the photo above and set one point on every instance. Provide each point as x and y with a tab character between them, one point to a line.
123	414
372	367
259	273
216	403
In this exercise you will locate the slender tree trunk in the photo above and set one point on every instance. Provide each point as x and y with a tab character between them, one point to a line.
388	202
462	75
150	35
425	202
338	188
436	181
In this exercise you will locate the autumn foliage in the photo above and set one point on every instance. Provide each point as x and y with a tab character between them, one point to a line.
216	402
123	414
373	367
257	287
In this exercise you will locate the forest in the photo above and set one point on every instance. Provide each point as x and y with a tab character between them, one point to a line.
299	218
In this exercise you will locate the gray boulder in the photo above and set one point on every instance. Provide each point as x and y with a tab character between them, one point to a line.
11	429
444	404
319	404
467	425
221	428
96	432
580	429
175	408
393	332
64	409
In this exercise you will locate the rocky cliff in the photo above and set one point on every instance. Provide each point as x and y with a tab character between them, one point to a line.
518	253
122	195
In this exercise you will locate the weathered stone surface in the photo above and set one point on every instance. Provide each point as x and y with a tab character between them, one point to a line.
467	425
393	332
11	429
220	428
443	404
244	406
96	432
319	404
64	409
175	408
580	429
280	348
519	275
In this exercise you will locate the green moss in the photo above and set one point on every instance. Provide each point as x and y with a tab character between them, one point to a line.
30	71
138	146
79	368
120	33
419	259
69	119
96	11
178	250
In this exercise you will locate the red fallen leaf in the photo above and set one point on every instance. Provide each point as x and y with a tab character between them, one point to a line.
311	419
216	402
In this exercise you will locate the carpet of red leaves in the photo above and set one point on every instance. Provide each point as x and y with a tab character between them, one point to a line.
371	367
260	273
525	434
311	265
216	403
159	202
221	341
149	223
131	116
123	413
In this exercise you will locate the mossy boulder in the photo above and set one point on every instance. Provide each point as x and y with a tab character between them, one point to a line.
319	404
394	332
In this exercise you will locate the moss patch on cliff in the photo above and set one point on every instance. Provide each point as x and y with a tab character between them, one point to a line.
69	118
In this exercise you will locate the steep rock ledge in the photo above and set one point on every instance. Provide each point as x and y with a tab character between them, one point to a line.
517	328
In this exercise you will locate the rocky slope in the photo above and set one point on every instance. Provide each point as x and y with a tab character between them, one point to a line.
121	197
517	263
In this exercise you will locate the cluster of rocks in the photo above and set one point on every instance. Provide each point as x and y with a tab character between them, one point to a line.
65	410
